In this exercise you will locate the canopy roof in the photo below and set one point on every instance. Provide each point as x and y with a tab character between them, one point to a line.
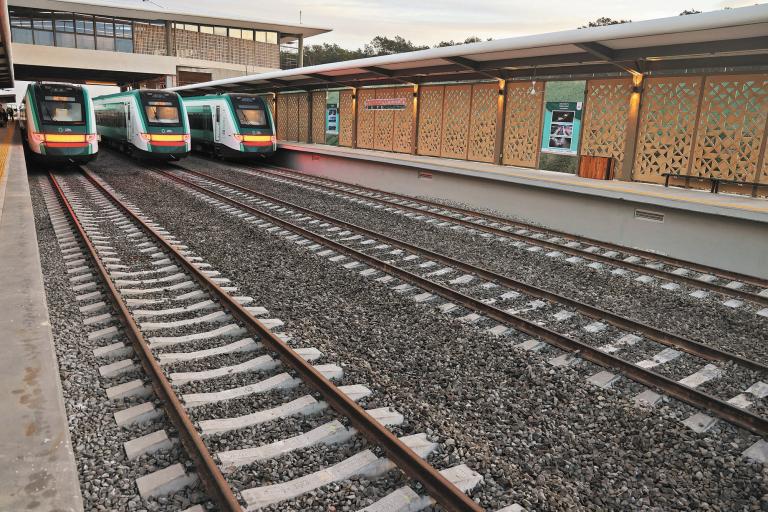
728	40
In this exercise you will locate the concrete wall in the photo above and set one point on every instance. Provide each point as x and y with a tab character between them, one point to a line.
726	242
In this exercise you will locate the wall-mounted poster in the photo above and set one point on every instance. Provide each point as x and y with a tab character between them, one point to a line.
562	125
332	118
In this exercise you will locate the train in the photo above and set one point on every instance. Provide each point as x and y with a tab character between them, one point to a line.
228	125
144	123
57	124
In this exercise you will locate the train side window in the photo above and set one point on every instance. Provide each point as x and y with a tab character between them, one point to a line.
218	114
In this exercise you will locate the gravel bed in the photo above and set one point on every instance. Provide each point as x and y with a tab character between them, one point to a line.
107	478
738	330
540	436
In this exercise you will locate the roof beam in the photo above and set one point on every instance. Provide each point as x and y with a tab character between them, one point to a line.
472	65
607	54
386	73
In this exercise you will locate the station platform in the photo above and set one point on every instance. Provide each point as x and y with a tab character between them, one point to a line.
723	230
37	466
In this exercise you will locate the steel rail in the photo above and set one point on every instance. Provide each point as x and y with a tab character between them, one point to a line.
660	336
648	378
441	489
217	487
670	260
752	297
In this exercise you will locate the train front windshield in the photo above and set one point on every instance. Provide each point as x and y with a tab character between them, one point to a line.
63	106
250	112
162	109
162	112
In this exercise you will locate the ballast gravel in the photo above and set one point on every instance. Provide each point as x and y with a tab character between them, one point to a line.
107	477
540	436
738	330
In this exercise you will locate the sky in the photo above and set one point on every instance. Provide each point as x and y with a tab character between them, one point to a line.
356	22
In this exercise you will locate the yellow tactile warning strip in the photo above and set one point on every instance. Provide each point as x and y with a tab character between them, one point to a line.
611	186
5	148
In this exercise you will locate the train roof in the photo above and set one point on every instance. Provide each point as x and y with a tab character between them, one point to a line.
133	93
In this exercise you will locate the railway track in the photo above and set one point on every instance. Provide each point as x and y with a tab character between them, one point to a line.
680	272
406	264
195	340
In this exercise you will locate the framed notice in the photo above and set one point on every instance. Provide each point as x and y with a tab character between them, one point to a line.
386	104
562	126
332	118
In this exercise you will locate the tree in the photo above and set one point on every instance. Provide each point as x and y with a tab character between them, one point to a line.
326	52
604	21
470	39
382	45
689	11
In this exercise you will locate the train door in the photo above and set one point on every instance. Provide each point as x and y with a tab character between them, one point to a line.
218	126
127	117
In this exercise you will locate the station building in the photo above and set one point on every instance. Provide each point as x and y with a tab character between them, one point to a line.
139	46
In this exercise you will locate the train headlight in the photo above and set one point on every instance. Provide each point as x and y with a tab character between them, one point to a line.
92	137
145	136
38	137
237	137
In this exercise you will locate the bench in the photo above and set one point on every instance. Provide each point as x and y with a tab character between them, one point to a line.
714	182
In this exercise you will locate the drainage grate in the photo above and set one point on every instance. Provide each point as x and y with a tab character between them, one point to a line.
651	216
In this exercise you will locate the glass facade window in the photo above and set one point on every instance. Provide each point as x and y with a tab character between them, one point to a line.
65	29
105	33
42	25
21	29
84	32
123	36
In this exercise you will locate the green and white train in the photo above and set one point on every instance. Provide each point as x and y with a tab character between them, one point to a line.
145	123
57	124
231	125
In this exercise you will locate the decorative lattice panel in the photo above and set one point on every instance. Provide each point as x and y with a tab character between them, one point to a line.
605	118
366	119
482	128
318	117
764	174
292	117
383	123
667	122
282	115
456	107
430	119
731	126
522	123
402	134
303	100
346	118
270	99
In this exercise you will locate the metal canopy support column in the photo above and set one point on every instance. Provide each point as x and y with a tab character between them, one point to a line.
354	117
500	115
300	57
633	123
415	127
